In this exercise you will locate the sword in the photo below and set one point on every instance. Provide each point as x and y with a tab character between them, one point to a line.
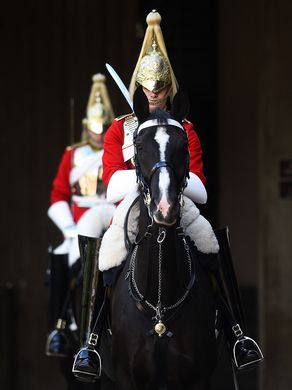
120	84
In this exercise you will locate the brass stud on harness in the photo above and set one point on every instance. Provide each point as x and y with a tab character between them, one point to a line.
160	328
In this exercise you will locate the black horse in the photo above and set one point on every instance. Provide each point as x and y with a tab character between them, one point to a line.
162	305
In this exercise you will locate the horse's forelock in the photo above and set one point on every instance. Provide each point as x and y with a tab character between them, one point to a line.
159	114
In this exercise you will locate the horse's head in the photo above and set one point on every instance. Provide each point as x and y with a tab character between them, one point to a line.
161	156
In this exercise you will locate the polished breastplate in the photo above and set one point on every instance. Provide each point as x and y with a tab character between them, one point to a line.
86	179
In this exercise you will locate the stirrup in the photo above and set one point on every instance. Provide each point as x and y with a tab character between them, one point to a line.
57	344
82	369
253	346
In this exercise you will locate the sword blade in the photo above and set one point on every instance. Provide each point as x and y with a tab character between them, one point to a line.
120	84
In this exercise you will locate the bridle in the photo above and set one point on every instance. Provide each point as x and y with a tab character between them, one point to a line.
133	288
142	182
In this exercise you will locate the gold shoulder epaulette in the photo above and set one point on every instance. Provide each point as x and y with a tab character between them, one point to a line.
124	116
77	145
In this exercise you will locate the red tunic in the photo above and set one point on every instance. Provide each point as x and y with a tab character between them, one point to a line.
61	189
113	159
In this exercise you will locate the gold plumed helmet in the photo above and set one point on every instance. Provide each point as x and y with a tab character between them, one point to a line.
99	109
153	69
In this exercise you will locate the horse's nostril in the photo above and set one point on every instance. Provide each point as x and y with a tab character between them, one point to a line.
163	207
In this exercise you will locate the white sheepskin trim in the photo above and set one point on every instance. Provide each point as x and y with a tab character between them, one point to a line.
113	252
198	228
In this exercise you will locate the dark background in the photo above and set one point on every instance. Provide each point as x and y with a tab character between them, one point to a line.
49	52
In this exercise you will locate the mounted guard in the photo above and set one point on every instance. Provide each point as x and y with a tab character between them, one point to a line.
154	74
78	206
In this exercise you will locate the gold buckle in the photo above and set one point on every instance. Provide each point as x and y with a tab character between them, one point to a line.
61	324
93	339
237	330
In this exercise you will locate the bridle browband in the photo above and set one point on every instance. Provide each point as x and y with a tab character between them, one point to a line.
157	122
142	182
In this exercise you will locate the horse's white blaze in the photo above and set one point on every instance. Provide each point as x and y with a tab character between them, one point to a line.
164	181
162	138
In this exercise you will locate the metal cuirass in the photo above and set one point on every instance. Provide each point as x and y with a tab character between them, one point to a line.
86	176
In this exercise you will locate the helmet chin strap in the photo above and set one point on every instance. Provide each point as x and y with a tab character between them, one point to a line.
157	102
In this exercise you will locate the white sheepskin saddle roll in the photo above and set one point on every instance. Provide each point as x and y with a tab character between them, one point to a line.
113	251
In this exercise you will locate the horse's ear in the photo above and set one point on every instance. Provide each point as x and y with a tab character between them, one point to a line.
180	106
140	104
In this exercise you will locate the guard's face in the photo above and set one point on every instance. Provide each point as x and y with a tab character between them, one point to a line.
96	140
157	99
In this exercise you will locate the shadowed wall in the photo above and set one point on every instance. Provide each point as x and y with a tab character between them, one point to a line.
49	52
255	166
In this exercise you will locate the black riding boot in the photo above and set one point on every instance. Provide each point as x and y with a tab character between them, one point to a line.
87	362
245	352
62	282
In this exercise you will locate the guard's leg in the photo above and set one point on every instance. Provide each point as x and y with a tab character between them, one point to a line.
245	351
87	362
59	297
63	280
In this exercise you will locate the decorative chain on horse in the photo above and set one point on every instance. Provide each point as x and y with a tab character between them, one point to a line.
134	290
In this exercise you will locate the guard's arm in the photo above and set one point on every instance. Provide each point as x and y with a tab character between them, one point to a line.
195	189
121	183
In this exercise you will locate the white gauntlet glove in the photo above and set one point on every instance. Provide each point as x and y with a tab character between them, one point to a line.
121	184
195	189
61	215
